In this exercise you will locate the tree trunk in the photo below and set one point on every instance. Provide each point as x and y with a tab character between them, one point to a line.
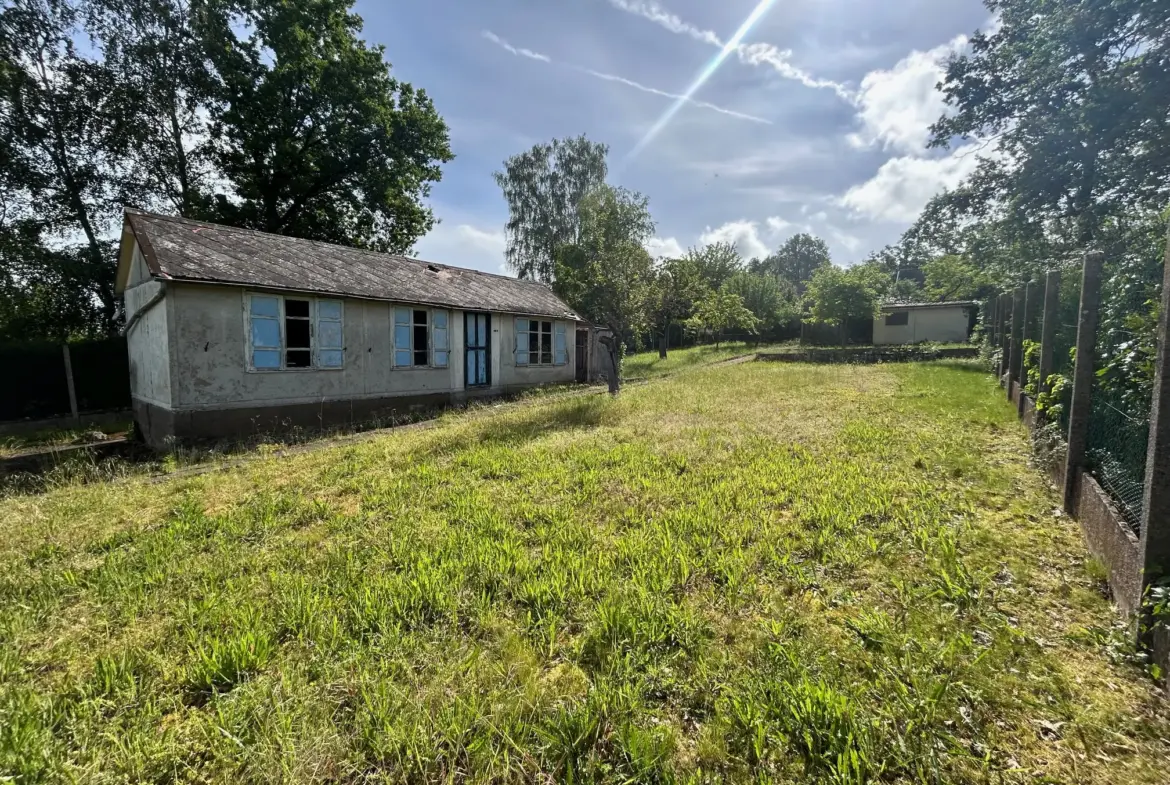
662	342
611	347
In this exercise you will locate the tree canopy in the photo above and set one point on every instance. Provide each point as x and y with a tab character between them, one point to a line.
771	300
797	260
544	188
270	114
835	295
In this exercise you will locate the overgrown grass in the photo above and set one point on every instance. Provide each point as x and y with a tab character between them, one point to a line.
748	573
647	365
12	444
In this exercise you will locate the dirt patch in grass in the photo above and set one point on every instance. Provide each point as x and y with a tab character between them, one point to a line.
839	574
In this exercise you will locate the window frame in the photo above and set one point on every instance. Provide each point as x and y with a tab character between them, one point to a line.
557	357
431	348
903	314
314	320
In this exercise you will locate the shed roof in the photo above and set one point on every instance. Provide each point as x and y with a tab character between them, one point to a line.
918	306
183	250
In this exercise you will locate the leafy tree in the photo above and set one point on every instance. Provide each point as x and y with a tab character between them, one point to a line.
951	277
314	135
797	260
1074	92
607	274
63	138
716	262
678	285
544	188
836	296
720	311
771	300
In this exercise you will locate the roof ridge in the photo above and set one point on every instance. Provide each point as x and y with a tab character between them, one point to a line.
367	251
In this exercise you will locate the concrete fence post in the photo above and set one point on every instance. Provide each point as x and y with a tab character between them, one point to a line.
1015	357
1155	533
69	383
1048	328
1078	415
1004	335
1031	308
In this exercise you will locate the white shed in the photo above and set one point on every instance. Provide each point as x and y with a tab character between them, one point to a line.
904	323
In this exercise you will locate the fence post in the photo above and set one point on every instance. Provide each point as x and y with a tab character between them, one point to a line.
1078	414
1048	329
1016	359
1155	533
69	381
1004	346
1030	310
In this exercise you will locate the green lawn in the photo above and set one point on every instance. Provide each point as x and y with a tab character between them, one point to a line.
647	365
745	573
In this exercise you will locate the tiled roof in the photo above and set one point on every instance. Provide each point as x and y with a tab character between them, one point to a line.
183	250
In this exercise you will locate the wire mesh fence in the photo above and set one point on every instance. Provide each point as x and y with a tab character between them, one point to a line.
1118	434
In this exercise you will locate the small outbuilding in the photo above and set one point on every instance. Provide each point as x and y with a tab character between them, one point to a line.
232	331
905	323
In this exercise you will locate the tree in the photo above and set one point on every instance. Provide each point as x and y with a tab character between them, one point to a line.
315	137
798	259
770	299
836	296
544	188
607	275
63	141
716	262
678	285
1074	93
951	277
720	311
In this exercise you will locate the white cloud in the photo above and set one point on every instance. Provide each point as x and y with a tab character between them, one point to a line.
903	185
744	234
500	42
755	54
897	106
531	55
664	246
464	245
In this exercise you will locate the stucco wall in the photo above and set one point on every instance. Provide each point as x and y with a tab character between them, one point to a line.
148	342
514	376
942	325
209	338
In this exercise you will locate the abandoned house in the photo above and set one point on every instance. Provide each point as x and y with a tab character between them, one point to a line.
901	323
232	332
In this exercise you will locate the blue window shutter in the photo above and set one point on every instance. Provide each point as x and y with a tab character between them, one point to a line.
560	352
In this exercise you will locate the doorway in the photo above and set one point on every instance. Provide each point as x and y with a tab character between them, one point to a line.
477	340
582	356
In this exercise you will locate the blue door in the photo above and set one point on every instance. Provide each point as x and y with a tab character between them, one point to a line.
477	332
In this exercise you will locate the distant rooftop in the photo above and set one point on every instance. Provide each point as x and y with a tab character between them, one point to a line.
893	306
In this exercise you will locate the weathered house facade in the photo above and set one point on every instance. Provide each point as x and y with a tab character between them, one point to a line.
905	323
232	332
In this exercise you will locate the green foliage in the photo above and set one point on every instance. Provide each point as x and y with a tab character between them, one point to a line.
607	274
797	260
544	188
836	295
721	311
771	300
951	277
716	263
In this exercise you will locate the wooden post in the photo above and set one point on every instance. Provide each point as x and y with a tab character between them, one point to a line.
1048	329
1155	533
1004	335
1078	415
1015	357
69	382
991	319
1031	307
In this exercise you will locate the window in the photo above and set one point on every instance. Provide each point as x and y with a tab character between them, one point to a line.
294	332
535	344
421	338
898	319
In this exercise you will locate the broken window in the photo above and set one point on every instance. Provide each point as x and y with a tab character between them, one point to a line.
413	338
288	332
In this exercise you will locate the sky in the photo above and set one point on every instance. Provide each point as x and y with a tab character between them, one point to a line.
815	120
